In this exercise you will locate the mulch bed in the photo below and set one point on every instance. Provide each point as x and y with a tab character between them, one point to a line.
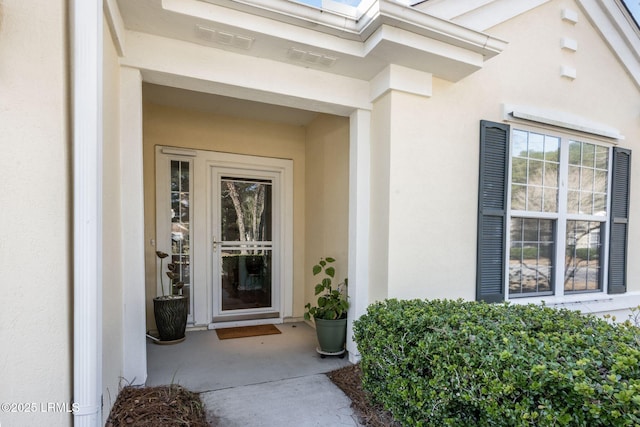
170	405
349	380
174	405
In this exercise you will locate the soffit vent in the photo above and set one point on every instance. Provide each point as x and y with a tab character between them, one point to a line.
224	37
309	57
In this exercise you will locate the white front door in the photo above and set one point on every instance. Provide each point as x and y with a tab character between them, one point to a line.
227	220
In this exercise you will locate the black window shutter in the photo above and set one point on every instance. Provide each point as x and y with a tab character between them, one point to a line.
492	211
619	229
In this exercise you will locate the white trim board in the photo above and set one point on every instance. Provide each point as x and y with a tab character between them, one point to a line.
559	119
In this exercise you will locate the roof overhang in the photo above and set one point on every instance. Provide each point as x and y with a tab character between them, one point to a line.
382	33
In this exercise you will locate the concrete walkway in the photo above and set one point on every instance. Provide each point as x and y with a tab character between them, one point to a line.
272	380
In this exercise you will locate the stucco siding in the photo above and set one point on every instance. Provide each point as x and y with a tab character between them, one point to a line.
326	198
35	319
434	144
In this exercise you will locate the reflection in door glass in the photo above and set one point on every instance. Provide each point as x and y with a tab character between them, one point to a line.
180	231
246	210
246	247
246	279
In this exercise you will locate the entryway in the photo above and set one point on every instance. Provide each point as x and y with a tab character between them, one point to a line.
223	219
205	363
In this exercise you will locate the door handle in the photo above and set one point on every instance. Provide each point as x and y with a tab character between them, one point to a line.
215	244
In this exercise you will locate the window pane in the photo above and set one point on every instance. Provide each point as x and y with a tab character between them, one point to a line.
586	202
573	201
534	199
535	166
589	180
518	197
531	256
551	148
600	204
536	169
180	224
519	143
519	171
602	157
588	155
536	146
550	200
551	175
574	177
575	153
586	181
582	256
600	181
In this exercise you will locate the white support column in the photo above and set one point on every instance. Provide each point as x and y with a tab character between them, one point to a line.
87	209
359	213
132	211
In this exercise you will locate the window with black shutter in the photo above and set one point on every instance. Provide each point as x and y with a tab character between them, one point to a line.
550	208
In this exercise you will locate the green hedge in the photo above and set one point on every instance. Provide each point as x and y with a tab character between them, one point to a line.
457	363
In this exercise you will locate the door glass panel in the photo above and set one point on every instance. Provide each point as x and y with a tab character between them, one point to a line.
245	247
246	279
180	224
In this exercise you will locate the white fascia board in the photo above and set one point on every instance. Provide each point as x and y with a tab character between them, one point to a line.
267	17
418	22
421	46
560	119
231	74
616	30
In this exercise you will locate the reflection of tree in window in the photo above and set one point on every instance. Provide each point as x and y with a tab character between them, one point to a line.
246	208
582	261
534	172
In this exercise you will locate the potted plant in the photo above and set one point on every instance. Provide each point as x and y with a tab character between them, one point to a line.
171	309
330	313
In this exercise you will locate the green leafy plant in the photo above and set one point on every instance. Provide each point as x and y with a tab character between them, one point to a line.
332	303
458	363
175	285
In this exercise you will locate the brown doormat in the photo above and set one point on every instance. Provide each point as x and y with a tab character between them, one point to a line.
247	331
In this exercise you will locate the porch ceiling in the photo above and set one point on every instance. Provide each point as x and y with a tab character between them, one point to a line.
210	103
318	39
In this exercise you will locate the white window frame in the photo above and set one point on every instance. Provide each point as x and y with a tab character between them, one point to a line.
560	218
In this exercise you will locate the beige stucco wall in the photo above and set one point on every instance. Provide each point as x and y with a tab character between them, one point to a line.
35	261
327	198
206	131
112	291
433	156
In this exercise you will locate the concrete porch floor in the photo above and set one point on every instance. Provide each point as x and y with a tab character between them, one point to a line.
204	363
270	380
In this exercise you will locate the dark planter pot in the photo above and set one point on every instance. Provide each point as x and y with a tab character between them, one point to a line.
331	334
254	264
171	316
